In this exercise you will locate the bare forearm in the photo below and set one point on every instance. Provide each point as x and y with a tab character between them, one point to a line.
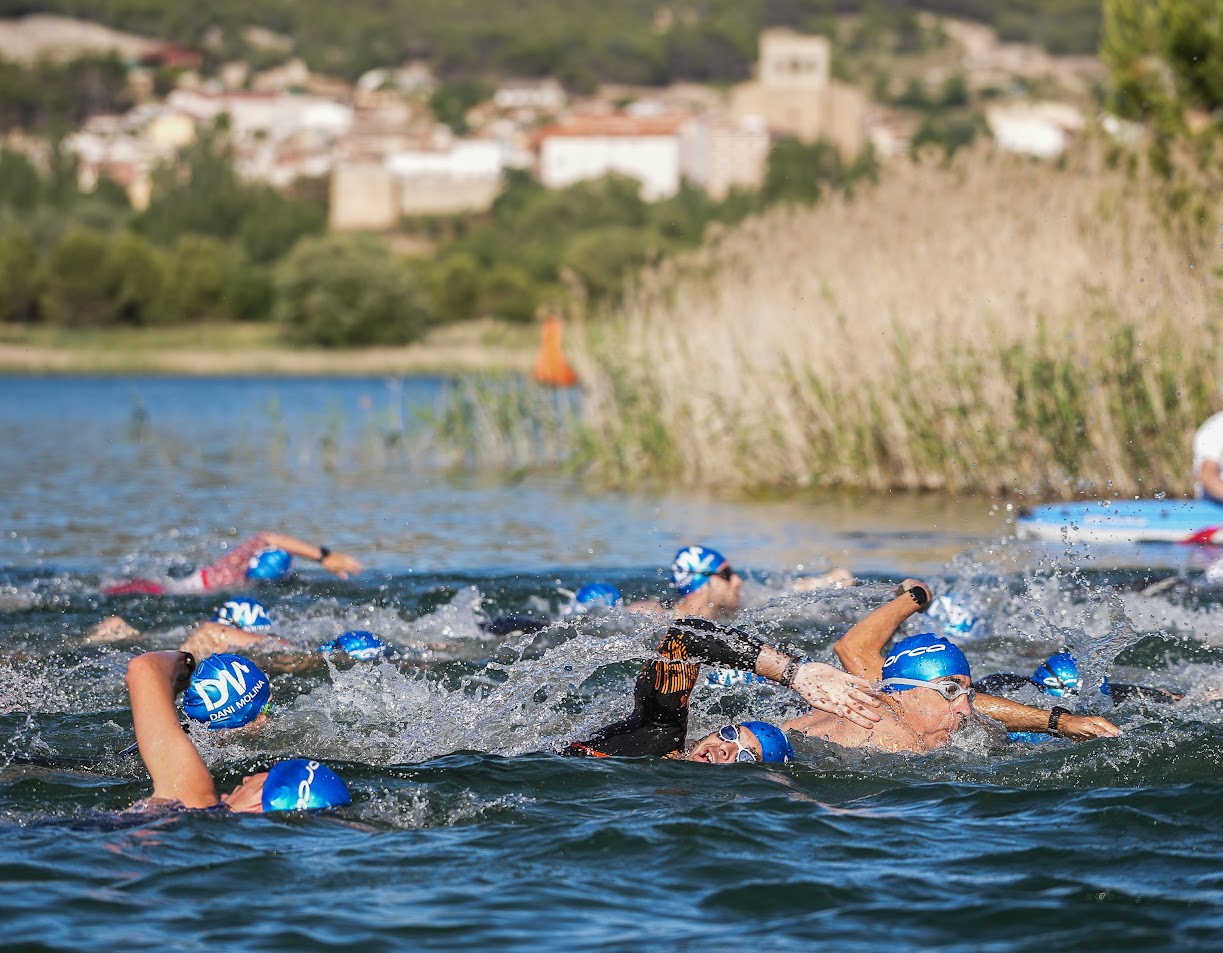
861	648
294	546
1017	717
172	761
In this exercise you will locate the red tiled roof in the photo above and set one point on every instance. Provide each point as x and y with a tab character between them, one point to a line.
618	125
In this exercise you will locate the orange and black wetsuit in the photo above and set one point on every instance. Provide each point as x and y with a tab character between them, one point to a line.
658	725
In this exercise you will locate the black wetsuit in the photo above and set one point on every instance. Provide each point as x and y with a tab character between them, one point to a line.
658	725
1008	683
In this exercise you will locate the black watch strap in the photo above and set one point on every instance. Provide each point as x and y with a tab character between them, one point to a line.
323	553
1055	716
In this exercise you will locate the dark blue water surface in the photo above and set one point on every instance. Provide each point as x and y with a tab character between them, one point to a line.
465	831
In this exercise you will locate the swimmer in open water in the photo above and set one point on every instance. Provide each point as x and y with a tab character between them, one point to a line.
180	776
707	587
1058	676
265	557
927	688
658	725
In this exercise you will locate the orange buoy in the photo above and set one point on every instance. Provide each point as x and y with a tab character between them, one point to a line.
551	368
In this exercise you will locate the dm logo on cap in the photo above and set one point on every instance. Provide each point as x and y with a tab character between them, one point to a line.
226	691
692	566
245	614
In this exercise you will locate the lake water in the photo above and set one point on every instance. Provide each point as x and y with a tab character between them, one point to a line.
466	832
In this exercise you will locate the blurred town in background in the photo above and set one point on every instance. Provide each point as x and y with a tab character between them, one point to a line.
217	173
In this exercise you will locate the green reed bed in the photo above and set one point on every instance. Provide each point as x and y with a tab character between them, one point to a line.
997	325
499	422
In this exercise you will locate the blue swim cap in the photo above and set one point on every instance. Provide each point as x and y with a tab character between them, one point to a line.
774	744
923	658
246	614
957	619
301	785
1029	737
1059	675
594	597
271	564
692	567
359	644
226	691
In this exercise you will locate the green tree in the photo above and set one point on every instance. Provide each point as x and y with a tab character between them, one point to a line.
21	278
349	291
508	292
78	290
454	284
200	193
1164	56
134	275
451	101
200	278
21	187
272	224
798	172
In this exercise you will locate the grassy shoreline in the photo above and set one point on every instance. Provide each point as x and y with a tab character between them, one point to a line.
483	346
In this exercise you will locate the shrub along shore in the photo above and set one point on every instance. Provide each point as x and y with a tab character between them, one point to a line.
993	325
485	347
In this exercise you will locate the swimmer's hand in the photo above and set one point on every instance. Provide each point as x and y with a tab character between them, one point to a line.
829	689
112	629
341	564
838	578
918	591
1085	727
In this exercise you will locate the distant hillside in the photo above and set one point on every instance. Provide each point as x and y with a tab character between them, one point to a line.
629	41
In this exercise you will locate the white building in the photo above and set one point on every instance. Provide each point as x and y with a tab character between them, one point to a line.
1035	129
590	147
719	153
375	193
540	95
265	114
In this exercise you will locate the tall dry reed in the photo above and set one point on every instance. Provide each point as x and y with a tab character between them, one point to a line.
998	325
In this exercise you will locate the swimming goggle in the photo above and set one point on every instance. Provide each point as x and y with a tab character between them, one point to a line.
725	573
949	690
730	733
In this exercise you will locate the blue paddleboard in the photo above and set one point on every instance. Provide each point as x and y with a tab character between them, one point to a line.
1124	521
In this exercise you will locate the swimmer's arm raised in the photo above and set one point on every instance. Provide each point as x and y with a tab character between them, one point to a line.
211	637
861	648
1017	717
821	685
336	563
177	770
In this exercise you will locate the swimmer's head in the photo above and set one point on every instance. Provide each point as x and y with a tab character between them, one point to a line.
297	785
956	617
693	566
750	741
269	565
593	597
358	644
302	785
774	745
249	615
1059	675
227	691
922	658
